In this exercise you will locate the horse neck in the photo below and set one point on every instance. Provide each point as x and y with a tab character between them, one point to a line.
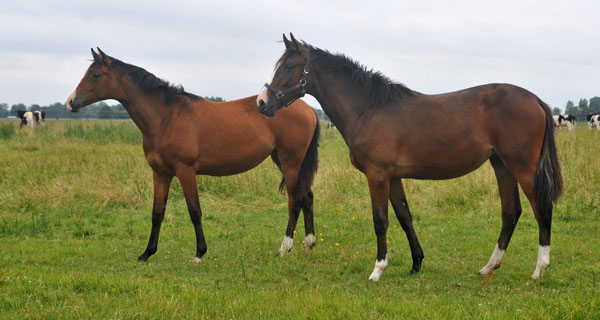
145	110
339	100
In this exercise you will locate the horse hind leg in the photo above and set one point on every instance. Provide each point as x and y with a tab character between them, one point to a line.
294	206
511	211
293	214
544	220
309	226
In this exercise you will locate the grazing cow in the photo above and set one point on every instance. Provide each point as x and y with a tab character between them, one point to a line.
595	121
26	118
589	119
40	117
330	125
566	120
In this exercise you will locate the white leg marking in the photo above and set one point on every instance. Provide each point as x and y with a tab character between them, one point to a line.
379	267
543	261
309	241
286	245
196	260
494	262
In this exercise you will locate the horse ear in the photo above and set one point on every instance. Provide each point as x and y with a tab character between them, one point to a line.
295	44
95	55
286	42
104	56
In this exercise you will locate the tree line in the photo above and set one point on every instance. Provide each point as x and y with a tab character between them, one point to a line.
100	110
584	107
58	110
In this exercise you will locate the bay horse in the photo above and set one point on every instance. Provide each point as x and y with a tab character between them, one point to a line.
185	135
394	132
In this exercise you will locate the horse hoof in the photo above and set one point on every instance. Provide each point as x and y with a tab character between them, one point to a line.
196	260
142	258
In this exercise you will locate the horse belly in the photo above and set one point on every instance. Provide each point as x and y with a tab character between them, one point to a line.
443	164
232	160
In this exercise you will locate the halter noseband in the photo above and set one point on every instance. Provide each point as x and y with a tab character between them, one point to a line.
301	84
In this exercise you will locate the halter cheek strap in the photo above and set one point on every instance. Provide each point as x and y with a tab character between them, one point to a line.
280	94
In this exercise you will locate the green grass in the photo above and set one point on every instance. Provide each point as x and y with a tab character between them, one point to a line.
75	200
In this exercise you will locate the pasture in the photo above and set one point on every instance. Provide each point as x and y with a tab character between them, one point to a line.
75	212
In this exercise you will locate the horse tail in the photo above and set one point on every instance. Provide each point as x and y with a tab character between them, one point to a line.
309	164
548	177
275	158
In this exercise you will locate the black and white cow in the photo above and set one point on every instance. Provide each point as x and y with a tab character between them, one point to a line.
589	118
27	118
565	120
595	121
40	117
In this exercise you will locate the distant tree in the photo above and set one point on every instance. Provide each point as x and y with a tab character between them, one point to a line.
17	107
4	110
215	99
583	106
119	112
105	112
34	107
570	108
556	111
594	104
56	111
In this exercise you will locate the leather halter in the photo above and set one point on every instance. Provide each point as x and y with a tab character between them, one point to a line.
300	85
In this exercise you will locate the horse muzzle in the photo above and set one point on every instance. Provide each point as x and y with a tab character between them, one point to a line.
267	110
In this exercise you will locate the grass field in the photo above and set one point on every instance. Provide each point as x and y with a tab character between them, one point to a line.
75	201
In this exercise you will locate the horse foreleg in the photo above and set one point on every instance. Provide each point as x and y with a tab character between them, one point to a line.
161	193
187	179
379	188
398	199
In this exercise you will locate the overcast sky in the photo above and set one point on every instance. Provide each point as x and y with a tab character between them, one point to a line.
228	48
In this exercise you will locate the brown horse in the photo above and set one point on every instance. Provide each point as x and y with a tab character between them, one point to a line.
394	132
185	135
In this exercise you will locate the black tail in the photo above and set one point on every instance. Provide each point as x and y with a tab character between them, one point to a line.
548	178
309	164
275	158
308	168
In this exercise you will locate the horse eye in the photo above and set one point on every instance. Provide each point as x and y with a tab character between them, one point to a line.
289	66
96	75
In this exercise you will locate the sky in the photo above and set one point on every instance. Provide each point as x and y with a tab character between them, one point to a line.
229	48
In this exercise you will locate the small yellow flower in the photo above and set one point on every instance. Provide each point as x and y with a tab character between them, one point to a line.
321	234
215	259
294	231
322	239
337	244
353	218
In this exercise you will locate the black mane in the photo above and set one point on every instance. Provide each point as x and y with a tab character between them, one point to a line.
377	87
150	83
